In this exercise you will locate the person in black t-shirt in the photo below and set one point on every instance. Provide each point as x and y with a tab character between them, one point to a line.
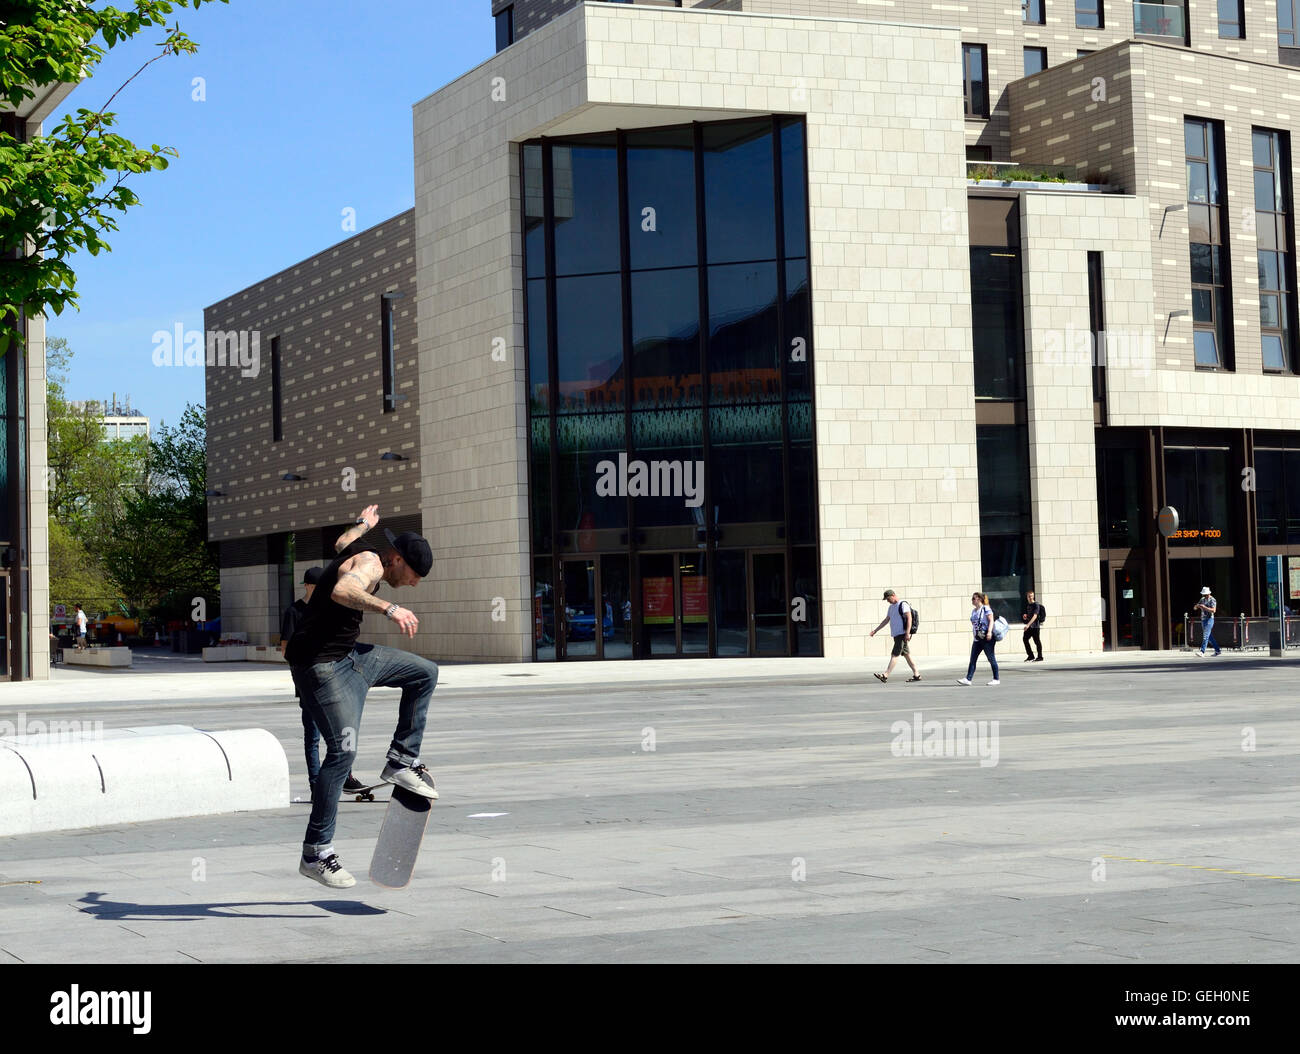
289	623
334	672
1032	618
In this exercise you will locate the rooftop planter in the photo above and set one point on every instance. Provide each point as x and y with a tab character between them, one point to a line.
998	174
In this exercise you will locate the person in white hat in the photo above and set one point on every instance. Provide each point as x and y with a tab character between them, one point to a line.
1207	607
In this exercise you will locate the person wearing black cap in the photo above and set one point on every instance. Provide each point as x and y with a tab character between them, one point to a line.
289	623
333	671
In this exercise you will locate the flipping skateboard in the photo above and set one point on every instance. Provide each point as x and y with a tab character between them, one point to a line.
399	839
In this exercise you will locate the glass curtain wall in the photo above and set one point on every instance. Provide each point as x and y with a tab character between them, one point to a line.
670	396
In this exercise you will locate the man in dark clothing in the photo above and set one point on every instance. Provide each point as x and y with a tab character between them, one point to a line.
334	672
289	623
1033	620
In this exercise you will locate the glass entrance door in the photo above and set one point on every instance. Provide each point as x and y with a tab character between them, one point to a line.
1128	606
579	613
768	613
674	604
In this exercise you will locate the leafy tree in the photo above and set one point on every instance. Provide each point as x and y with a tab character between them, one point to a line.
61	192
161	554
90	475
76	576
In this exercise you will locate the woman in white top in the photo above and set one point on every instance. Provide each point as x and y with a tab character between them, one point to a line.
981	621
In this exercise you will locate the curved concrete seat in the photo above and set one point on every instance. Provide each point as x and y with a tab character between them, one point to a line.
71	777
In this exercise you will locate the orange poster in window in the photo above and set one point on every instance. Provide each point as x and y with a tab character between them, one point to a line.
695	598
657	600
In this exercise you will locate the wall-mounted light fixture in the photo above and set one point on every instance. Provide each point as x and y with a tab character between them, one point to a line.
390	455
1165	215
292	477
213	494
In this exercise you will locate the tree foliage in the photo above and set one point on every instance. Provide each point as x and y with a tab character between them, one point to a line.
61	192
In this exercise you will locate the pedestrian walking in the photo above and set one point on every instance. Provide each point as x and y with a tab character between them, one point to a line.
981	621
899	617
1033	618
1207	606
81	628
289	622
334	672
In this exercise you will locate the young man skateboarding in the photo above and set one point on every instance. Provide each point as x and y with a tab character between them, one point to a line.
333	672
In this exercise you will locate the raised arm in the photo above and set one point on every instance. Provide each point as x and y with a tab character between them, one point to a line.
366	522
358	575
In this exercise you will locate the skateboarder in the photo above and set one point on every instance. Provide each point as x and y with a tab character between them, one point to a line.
289	623
334	672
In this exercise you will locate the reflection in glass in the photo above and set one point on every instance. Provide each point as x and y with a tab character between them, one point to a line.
580	616
534	212
693	583
997	323
743	334
589	343
1197	485
543	610
798	327
731	603
661	178
585	191
794	187
739	196
589	514
658	604
666	339
616	605
538	361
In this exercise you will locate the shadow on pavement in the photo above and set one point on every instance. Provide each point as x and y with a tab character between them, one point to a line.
121	910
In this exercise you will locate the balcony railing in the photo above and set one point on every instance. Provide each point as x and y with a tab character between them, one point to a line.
1158	20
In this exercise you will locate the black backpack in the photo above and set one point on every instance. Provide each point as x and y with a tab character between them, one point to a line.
1042	614
916	617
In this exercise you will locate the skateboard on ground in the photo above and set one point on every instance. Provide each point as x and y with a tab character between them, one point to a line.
366	793
399	838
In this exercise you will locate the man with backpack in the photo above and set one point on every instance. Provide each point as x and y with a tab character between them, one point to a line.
1033	618
903	621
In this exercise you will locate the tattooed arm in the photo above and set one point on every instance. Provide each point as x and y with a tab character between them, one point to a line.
371	518
358	577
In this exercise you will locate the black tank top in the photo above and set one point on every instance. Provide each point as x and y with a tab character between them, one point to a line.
329	630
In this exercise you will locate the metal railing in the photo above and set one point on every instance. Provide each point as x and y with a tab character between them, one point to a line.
1241	633
1158	20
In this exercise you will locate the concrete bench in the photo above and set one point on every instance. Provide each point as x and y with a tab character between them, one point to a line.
73	776
229	653
97	657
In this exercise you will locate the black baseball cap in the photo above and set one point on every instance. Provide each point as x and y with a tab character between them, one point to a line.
413	549
312	576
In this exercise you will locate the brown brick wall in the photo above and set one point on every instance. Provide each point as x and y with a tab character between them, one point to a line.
326	312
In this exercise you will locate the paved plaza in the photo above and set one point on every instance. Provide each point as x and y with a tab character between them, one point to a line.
749	810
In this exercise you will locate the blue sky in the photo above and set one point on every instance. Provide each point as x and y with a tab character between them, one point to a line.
307	112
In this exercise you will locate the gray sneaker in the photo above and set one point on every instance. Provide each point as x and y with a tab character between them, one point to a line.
327	871
415	778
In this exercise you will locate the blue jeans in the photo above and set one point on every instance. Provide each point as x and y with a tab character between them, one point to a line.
334	695
978	646
310	736
1207	635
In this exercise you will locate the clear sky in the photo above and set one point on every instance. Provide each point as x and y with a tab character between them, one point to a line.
307	113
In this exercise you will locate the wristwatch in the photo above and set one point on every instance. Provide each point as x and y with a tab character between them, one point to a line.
389	612
361	521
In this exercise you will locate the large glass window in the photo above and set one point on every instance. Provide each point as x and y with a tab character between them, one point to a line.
1272	167
505	28
661	198
1277	496
997	323
975	79
585	199
670	391
1198	485
1119	489
1002	456
1287	23
1035	61
1211	286
739	191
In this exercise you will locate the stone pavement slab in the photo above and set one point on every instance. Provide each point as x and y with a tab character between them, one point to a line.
775	819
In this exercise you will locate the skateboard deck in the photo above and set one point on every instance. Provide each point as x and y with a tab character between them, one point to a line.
399	839
365	793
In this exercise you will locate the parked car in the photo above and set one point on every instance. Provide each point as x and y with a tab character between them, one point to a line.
582	622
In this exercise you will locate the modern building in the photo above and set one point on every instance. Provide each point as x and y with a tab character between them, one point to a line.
120	420
716	337
24	497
